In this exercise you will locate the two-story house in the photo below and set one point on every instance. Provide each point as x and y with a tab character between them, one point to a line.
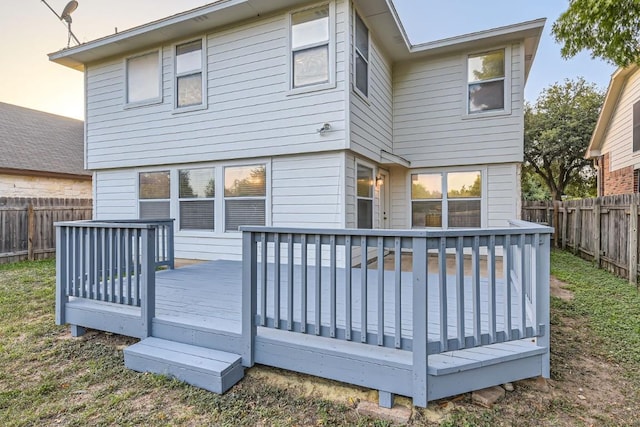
296	113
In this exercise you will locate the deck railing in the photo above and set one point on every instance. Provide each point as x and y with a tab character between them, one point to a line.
422	291
112	262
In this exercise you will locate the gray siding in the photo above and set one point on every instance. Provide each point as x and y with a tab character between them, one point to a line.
116	193
249	112
430	126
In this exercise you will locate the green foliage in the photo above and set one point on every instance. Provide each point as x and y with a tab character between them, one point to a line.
533	187
557	131
610	29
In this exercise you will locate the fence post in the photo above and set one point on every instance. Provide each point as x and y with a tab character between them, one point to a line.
62	276
565	225
633	240
556	223
596	231
250	295
577	230
31	231
148	276
420	345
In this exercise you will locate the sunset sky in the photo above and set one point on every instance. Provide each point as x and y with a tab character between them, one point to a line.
30	31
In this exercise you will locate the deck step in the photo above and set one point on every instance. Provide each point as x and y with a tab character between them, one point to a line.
212	370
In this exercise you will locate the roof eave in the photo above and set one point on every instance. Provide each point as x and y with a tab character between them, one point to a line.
616	84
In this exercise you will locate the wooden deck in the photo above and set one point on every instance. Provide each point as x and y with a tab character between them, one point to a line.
455	322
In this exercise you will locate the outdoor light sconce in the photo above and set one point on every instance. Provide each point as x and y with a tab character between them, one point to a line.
326	127
379	181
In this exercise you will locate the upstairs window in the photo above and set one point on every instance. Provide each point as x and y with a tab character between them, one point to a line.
310	51
361	59
245	194
446	200
154	194
364	196
197	190
143	78
486	81
636	126
189	74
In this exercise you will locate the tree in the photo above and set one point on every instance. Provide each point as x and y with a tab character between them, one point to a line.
610	29
557	131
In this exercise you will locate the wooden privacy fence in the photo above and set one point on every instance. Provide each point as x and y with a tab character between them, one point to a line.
603	229
26	225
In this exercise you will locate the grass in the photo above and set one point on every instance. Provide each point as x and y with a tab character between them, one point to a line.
49	378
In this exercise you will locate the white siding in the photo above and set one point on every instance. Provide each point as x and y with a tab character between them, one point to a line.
250	111
308	191
503	194
116	194
372	119
430	126
400	204
618	138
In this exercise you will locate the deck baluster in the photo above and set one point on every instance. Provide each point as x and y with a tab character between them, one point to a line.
303	283
460	292
332	288
348	260
263	278
398	291
475	292
290	266
276	280
442	279
318	283
491	273
363	289
508	265
380	291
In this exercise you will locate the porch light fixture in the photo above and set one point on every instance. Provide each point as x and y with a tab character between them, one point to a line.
379	181
326	127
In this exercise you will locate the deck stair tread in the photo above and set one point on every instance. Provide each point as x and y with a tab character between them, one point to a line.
478	357
210	369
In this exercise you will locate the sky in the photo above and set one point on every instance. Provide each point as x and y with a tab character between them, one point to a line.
29	31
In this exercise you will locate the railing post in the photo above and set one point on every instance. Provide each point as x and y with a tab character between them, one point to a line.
542	298
62	276
170	245
148	277
249	296
420	338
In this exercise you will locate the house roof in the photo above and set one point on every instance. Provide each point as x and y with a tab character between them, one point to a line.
380	14
616	86
35	142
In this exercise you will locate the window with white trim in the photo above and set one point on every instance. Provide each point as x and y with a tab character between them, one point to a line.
143	78
196	197
361	56
245	194
189	75
364	196
310	51
448	200
154	194
486	81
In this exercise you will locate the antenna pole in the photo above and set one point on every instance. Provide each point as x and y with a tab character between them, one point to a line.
72	35
51	9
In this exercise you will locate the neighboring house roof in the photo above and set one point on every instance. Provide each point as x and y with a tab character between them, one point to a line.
616	86
381	14
38	143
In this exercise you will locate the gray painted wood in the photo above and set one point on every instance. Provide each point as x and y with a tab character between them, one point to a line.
420	284
385	399
212	370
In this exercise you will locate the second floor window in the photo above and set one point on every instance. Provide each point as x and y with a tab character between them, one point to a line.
362	57
310	46
143	78
486	81
189	74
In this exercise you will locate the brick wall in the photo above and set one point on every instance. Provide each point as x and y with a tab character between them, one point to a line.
32	186
620	181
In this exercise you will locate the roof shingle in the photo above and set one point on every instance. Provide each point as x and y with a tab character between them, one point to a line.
38	141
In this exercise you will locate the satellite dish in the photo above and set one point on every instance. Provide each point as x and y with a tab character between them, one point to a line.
68	10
